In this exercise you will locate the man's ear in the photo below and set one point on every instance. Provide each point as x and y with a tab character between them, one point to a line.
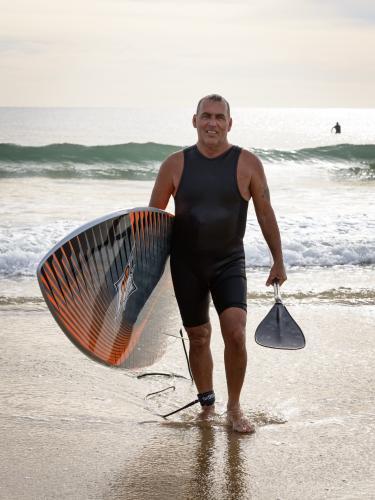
194	121
230	124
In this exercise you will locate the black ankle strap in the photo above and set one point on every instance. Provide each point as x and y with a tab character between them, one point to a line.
206	398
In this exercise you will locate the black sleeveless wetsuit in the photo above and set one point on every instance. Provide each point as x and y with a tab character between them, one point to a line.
207	240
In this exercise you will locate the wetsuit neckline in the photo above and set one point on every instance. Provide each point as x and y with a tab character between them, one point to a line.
214	157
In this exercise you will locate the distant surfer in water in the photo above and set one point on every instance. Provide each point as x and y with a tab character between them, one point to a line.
212	183
336	128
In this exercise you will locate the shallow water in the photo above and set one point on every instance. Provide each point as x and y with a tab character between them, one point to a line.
71	428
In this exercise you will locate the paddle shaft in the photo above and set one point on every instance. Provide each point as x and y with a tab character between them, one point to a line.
276	291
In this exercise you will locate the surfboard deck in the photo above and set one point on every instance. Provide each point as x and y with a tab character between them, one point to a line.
108	286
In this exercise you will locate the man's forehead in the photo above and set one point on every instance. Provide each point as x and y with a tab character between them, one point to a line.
213	107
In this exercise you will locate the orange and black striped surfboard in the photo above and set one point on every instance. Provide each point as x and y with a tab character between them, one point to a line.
108	286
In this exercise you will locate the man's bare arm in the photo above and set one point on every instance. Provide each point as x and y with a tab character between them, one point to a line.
267	221
164	184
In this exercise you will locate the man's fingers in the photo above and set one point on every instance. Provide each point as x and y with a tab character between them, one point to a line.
272	278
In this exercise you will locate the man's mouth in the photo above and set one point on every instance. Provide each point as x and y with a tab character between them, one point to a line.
211	132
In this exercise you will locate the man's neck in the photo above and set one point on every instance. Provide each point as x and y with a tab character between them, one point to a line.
212	152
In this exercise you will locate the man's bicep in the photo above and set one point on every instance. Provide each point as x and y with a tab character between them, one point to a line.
163	187
259	190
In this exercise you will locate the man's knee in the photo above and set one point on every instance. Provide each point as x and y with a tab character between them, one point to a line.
233	328
235	337
199	336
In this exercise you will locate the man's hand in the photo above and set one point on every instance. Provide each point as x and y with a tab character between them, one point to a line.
277	273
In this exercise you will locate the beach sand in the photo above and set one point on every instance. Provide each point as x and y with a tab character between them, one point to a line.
71	428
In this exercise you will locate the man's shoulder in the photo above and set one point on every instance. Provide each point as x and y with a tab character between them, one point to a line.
175	158
173	161
249	160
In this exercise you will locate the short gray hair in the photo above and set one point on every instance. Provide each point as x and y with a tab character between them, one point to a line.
215	98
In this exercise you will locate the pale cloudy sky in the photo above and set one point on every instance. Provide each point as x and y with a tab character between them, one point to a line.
137	53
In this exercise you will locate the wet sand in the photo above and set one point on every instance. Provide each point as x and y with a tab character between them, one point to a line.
71	428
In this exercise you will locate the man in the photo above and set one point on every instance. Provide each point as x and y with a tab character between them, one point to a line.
211	183
336	128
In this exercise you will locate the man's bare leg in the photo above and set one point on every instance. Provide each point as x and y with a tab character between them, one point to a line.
201	363
233	328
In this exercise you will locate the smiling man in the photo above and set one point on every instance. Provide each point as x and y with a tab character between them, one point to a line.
212	183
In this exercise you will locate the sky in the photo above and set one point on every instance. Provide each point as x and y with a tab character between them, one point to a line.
160	53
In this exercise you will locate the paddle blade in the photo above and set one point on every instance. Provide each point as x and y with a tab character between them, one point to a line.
278	330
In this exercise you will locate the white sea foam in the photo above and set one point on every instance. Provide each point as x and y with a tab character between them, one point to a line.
305	243
324	241
22	247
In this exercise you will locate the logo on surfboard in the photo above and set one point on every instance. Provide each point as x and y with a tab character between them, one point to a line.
125	286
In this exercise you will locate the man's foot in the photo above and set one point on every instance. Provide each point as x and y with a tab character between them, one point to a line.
206	412
239	422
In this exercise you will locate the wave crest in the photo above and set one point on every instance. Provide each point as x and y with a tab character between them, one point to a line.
141	160
130	152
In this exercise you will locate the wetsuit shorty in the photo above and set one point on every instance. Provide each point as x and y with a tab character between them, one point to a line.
207	241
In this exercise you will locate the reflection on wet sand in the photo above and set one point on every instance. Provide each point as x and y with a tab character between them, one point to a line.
237	478
203	463
220	466
202	481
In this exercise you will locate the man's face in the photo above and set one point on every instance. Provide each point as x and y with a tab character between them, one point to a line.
212	123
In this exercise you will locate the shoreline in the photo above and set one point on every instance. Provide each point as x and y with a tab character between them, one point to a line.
74	429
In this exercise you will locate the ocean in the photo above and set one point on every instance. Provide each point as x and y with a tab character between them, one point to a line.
62	167
71	428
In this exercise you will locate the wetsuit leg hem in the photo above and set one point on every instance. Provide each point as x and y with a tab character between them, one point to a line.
194	324
235	304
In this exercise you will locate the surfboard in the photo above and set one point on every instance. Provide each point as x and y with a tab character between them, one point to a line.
108	286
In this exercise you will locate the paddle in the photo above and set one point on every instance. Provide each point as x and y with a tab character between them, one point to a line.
278	330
